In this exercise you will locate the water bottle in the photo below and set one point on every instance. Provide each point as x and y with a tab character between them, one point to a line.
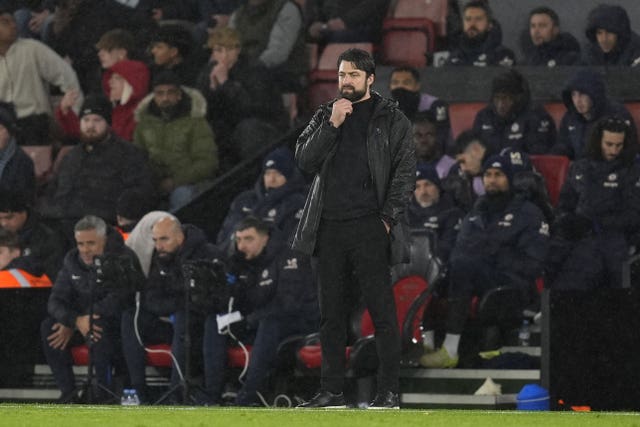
524	335
129	397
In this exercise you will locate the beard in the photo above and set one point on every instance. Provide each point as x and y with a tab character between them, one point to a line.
353	95
93	137
474	41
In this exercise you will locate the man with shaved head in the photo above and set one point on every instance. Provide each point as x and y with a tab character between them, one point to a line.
160	317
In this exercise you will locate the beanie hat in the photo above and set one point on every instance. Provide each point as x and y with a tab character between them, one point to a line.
519	160
280	159
8	117
166	77
498	162
96	104
13	201
428	171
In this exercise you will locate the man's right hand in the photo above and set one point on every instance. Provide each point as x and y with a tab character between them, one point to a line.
60	336
339	112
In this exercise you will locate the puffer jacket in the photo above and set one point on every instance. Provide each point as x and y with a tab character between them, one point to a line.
562	50
392	162
614	19
574	127
182	148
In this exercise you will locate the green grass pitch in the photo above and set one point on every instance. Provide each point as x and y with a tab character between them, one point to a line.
78	415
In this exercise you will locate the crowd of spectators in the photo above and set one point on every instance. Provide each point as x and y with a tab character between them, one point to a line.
157	98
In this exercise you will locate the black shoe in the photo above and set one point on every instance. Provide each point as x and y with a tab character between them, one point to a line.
69	398
325	399
385	400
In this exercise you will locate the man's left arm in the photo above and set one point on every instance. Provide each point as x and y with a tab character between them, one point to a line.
402	169
56	71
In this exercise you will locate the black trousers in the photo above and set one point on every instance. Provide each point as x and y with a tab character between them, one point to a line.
351	254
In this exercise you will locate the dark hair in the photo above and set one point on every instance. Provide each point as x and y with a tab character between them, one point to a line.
425	117
176	36
469	136
407	69
13	201
9	239
614	124
479	4
544	10
253	222
117	39
361	59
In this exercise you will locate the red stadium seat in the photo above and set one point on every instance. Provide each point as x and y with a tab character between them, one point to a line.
406	41
42	159
554	170
435	10
236	357
556	110
634	110
462	116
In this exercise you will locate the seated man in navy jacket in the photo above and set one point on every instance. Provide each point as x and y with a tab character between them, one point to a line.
275	292
502	242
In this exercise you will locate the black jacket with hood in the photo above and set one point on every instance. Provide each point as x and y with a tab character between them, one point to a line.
574	127
527	128
562	50
482	52
614	19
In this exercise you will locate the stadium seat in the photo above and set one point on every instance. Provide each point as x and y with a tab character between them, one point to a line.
320	92
462	116
42	159
634	110
435	10
61	153
236	357
554	169
80	355
556	110
406	41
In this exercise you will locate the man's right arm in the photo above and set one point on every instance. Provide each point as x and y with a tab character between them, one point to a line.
320	136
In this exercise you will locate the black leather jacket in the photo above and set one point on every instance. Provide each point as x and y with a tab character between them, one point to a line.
392	163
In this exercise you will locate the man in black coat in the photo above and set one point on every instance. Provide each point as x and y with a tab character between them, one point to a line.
361	152
480	43
94	173
511	120
161	311
611	40
544	44
79	290
245	106
502	242
599	209
274	290
277	198
585	97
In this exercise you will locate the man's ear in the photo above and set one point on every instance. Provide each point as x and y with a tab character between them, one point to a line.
371	79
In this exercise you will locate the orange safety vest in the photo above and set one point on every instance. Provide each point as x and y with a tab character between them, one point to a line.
14	278
124	234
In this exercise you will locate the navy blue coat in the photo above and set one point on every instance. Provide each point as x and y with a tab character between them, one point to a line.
18	175
530	129
563	50
490	52
615	20
606	193
513	241
574	128
277	284
280	207
71	293
443	219
164	291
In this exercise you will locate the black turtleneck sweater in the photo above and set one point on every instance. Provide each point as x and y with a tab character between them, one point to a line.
349	191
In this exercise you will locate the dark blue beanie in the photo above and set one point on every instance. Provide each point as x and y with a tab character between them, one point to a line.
428	171
498	162
280	159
